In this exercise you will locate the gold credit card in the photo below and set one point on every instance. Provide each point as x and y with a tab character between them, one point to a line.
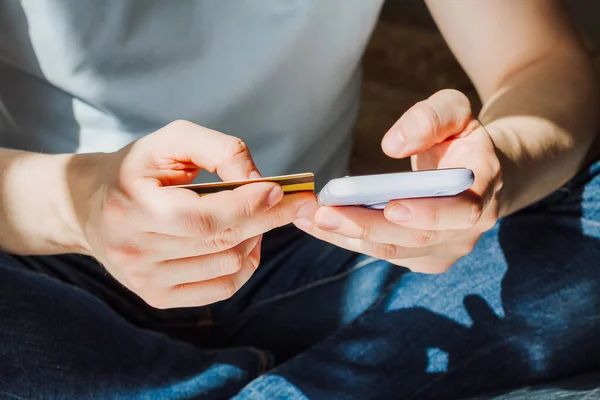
289	183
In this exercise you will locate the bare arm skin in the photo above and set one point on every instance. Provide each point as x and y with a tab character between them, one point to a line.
537	85
36	211
534	133
170	246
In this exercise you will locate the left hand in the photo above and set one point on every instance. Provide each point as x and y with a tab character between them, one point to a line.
426	235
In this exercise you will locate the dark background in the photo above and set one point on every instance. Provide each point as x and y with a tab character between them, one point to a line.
407	60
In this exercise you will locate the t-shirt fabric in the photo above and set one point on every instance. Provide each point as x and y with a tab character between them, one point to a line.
92	76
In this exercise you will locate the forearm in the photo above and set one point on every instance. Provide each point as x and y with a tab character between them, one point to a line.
537	84
36	208
543	122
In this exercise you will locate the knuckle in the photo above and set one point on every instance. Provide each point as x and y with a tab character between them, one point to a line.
232	236
138	279
233	262
499	179
424	237
385	251
428	117
457	97
434	219
365	232
225	240
114	207
228	289
235	147
247	209
119	254
489	221
203	223
476	210
279	218
495	165
181	124
255	261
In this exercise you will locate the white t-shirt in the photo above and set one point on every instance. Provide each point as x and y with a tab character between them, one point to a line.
92	76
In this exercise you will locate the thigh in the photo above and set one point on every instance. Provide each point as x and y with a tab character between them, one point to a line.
303	291
581	387
523	307
87	275
59	341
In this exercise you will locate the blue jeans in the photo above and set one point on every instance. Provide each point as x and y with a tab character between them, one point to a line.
320	322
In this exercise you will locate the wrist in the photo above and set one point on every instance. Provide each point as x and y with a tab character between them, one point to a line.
532	165
79	185
35	205
44	200
503	195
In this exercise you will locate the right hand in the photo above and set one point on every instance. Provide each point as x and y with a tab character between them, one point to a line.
170	246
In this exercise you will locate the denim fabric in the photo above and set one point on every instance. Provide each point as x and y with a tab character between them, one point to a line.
581	387
318	322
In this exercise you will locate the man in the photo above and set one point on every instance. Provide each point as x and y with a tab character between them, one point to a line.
115	286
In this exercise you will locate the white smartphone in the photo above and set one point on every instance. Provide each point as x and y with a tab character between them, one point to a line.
375	191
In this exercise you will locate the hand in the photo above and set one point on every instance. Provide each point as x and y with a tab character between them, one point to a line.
170	246
425	235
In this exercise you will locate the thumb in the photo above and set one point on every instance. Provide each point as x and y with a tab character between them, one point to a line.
445	114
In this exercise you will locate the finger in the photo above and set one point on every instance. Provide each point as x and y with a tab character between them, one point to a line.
183	141
205	267
434	259
458	212
207	292
155	247
384	251
181	212
283	213
371	225
255	253
476	152
445	114
440	257
466	209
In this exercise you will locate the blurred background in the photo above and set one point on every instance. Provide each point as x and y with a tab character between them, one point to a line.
407	61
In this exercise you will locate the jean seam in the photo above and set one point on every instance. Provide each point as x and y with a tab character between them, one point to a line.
294	292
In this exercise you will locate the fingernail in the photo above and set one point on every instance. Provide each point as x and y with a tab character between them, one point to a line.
255	175
303	223
308	210
330	221
393	142
275	195
399	213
